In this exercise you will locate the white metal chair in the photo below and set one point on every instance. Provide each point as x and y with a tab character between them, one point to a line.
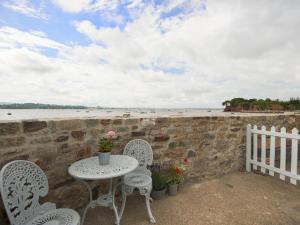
140	178
21	185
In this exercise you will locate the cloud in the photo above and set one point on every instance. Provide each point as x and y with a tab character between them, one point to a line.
135	3
26	8
85	5
14	38
24	61
74	6
195	57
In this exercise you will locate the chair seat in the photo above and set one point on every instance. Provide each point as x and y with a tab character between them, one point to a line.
137	180
57	217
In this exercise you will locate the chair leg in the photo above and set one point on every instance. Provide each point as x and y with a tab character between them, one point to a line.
151	200
152	220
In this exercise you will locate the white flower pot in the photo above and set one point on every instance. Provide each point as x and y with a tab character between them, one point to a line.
104	158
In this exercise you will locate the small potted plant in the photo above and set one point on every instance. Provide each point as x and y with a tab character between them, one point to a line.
159	185
105	146
175	178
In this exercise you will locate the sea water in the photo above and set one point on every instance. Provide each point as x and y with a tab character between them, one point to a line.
31	114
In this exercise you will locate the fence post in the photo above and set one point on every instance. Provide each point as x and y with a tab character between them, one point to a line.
255	146
282	152
272	150
248	148
263	149
294	159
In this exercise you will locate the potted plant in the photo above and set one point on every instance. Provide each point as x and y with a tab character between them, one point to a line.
105	146
159	185
175	178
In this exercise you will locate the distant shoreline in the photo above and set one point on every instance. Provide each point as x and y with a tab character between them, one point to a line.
51	106
39	106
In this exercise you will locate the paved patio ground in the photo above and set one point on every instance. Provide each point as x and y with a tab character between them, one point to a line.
238	198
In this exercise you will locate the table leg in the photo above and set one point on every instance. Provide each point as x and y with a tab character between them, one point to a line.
91	204
111	192
113	202
110	187
124	196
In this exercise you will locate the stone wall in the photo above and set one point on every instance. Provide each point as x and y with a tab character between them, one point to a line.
213	145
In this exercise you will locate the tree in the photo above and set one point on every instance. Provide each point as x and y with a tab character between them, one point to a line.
261	104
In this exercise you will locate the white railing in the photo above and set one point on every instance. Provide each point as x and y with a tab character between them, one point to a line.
286	168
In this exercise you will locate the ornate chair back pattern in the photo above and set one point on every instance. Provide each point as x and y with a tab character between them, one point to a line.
140	150
21	185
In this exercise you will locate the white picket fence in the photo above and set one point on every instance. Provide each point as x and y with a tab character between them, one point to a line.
252	152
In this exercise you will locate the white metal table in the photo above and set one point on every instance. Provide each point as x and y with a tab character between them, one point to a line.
89	169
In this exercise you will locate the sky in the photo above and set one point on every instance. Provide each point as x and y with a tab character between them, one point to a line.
148	53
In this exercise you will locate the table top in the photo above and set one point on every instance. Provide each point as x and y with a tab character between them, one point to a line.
90	169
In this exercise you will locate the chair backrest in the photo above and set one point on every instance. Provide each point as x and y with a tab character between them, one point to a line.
141	150
21	185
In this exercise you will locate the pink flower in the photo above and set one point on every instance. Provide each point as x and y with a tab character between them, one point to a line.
110	135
